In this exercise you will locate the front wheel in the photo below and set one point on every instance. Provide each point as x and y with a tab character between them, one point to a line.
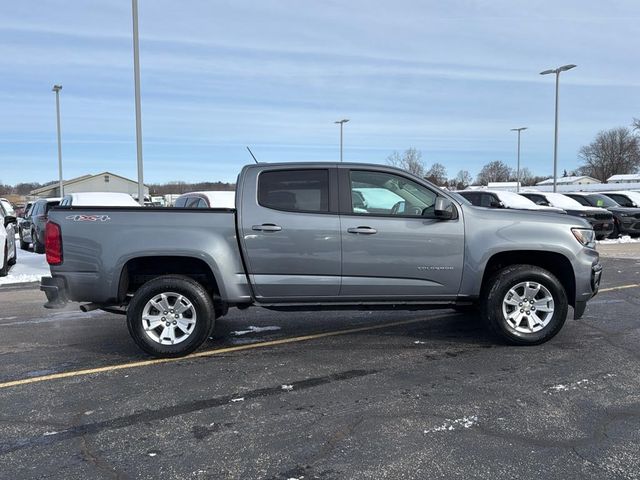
170	316
4	271
525	305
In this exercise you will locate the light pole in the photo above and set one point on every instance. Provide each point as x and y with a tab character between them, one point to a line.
518	170
57	88
341	122
136	76
557	71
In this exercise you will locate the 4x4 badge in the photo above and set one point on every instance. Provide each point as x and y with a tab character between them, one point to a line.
89	218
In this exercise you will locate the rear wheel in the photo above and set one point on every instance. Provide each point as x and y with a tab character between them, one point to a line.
23	245
525	305
170	316
15	255
616	231
38	247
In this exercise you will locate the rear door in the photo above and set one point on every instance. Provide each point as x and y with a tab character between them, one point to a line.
291	232
392	246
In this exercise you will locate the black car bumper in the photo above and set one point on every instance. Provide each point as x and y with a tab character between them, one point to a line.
596	275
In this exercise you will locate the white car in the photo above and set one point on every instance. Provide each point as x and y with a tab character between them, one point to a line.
8	249
98	199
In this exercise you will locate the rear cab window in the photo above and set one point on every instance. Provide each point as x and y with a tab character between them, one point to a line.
305	190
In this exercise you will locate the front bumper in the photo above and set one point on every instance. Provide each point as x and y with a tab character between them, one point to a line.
56	291
581	305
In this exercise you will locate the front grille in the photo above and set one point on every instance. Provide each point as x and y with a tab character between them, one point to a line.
603	216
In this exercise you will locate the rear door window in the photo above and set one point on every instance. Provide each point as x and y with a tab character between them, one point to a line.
180	203
295	190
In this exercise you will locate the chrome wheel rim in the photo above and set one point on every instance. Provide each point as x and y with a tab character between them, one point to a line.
528	307
169	318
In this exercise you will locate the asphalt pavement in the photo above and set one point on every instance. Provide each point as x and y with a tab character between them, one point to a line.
371	395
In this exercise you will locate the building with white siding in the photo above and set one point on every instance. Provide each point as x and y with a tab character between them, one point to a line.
102	182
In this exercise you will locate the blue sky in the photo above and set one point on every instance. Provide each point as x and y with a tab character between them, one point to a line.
449	78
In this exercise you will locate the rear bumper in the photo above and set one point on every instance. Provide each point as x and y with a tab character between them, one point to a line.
56	291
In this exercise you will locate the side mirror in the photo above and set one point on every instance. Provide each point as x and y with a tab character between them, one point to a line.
444	209
495	204
8	220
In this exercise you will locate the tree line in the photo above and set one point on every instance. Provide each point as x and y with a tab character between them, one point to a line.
614	151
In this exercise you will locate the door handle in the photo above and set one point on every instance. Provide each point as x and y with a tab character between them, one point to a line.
362	230
267	227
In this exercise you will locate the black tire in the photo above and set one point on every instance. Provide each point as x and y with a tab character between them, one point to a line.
616	231
5	265
23	245
38	247
194	293
496	292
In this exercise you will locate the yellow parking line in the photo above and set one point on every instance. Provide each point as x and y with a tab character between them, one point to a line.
621	287
210	353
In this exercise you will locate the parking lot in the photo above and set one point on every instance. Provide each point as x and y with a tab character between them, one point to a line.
324	395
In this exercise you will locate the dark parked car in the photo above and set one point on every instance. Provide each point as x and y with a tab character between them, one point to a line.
31	228
626	219
503	199
625	198
600	219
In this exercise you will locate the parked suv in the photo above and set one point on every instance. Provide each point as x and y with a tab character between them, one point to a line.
600	219
626	219
32	226
503	199
624	198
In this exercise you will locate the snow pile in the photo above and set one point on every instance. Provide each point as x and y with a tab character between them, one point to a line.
571	386
29	268
622	239
252	329
450	425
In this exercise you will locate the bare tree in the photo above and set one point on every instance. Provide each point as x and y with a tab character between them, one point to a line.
461	181
495	171
437	174
410	160
636	124
612	152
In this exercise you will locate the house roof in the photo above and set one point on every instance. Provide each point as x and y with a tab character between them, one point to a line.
625	176
565	180
52	186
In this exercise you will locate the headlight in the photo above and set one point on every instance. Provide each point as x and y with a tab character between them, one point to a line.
583	214
586	236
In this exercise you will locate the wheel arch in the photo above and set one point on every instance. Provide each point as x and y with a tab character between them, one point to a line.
138	270
556	263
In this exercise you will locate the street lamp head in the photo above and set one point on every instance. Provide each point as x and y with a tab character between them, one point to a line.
547	72
564	68
344	120
56	88
518	129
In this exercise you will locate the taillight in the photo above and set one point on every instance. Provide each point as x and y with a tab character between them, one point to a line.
53	243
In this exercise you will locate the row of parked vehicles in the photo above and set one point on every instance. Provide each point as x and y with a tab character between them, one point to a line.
611	214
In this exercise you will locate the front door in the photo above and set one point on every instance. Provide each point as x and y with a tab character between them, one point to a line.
392	244
291	233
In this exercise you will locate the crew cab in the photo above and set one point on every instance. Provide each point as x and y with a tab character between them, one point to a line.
301	238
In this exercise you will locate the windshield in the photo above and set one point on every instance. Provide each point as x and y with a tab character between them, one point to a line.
560	201
513	200
460	198
8	208
601	201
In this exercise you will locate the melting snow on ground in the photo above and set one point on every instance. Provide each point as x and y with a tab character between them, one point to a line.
455	424
287	388
252	329
622	239
570	386
29	268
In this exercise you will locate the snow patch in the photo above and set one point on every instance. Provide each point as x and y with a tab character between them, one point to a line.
455	424
239	399
48	434
571	386
287	388
622	239
253	329
30	267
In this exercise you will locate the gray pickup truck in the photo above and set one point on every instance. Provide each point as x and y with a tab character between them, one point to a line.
308	236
